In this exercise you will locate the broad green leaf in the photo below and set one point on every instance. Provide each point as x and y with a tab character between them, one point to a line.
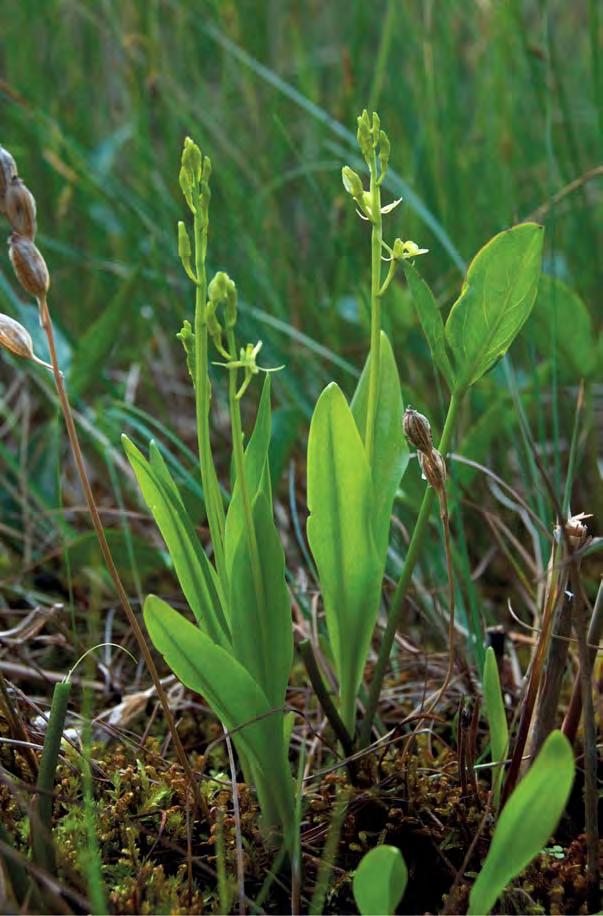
94	347
495	301
210	670
380	881
527	821
340	533
560	319
256	472
497	721
430	317
390	450
262	635
195	573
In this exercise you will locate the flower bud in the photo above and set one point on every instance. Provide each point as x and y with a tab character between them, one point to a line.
433	467
29	265
8	171
351	182
14	337
192	160
21	208
384	151
417	430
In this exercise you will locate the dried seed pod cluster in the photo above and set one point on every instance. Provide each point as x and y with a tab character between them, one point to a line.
417	430
18	204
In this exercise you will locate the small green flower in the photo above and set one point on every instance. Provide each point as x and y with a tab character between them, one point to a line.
404	251
248	362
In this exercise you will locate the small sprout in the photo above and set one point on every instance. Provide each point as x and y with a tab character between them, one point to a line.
29	265
8	171
21	209
417	430
185	251
404	251
14	337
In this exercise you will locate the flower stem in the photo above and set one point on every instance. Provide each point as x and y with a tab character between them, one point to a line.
403	585
375	352
211	490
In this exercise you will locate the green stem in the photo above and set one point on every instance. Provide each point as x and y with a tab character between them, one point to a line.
239	457
399	597
328	707
213	501
376	240
42	846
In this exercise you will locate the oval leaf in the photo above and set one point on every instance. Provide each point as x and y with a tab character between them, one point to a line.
526	822
495	301
380	881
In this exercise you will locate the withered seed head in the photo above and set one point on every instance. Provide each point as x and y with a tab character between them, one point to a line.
21	208
29	265
433	467
417	430
8	171
14	337
576	531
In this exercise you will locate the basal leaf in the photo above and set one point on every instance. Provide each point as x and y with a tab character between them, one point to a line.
495	301
390	456
210	670
195	573
380	881
497	721
430	317
256	471
526	822
262	636
340	533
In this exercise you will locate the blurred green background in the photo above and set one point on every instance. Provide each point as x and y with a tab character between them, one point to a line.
494	111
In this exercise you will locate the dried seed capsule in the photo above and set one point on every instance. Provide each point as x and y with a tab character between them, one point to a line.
433	467
21	208
14	337
8	171
417	430
576	530
29	265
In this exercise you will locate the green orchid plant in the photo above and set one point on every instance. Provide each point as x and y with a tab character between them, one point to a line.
239	650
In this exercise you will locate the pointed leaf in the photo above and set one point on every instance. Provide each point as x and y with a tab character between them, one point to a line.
430	317
390	457
341	538
262	636
495	301
195	573
497	721
527	821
